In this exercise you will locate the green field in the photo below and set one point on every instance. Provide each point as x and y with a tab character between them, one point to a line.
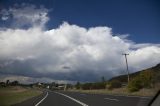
13	95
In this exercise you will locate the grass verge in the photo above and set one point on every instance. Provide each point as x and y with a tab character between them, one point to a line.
120	91
13	95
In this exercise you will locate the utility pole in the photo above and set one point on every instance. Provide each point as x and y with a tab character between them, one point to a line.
126	65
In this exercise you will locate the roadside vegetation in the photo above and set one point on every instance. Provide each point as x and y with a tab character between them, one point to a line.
142	83
144	80
119	91
12	94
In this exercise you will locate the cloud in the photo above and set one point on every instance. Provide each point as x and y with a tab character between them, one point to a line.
4	18
25	15
30	80
4	14
69	52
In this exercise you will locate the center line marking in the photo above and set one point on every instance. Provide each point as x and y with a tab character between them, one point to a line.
83	104
112	99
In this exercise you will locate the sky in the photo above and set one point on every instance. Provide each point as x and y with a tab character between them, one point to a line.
77	40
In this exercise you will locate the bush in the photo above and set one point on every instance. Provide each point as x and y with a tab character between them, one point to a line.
78	85
87	86
146	78
114	84
143	80
135	85
97	85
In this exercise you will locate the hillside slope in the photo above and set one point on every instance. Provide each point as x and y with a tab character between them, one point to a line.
155	70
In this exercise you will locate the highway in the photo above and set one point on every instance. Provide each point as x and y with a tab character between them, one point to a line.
61	98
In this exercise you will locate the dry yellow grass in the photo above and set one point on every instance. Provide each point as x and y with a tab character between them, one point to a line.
13	95
122	91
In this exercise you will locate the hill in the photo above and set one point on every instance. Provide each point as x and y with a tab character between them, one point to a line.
155	70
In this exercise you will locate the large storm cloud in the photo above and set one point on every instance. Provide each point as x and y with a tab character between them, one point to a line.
68	52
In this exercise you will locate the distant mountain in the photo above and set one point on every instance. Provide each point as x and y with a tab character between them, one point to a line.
155	70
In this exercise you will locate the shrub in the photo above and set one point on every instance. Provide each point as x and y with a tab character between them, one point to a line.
99	85
143	80
87	86
146	78
135	84
78	85
114	84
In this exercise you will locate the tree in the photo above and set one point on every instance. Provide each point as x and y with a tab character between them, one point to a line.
14	83
103	79
7	82
78	85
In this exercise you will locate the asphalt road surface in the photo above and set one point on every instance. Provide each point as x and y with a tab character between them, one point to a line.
61	98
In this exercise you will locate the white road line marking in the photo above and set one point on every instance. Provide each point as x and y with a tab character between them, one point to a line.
42	99
83	104
112	99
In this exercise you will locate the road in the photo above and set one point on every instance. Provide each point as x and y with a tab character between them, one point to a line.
61	98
